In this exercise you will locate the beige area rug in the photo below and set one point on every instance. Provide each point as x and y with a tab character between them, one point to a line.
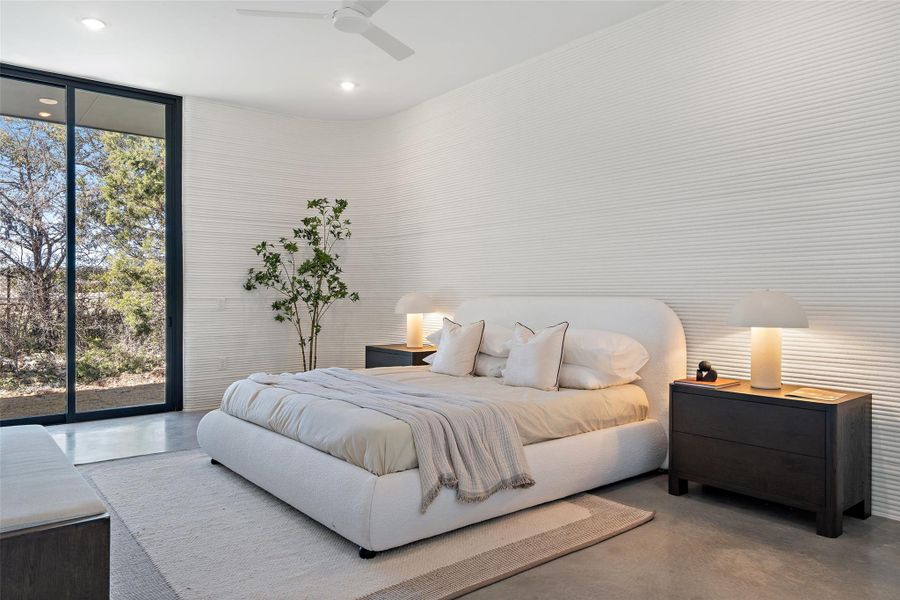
185	529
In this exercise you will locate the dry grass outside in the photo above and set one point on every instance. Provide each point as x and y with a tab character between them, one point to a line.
125	390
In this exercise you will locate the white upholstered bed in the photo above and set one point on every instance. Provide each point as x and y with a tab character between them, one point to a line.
378	512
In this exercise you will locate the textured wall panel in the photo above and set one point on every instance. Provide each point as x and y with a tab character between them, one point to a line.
247	175
692	154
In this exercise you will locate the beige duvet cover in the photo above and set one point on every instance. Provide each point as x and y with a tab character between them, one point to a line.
382	444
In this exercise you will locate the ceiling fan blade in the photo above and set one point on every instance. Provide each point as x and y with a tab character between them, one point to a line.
281	14
371	6
387	42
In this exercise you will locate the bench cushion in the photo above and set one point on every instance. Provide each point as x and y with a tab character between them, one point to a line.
38	484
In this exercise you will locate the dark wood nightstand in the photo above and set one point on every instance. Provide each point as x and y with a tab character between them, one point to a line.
814	455
396	355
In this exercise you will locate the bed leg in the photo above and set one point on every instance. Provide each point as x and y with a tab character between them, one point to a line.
213	461
363	553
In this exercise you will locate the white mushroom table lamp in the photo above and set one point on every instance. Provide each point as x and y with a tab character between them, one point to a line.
766	313
413	306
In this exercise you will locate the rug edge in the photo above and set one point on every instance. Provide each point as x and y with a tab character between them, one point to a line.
543	560
114	514
641	517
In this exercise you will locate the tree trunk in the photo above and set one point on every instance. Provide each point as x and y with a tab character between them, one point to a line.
302	351
43	288
313	339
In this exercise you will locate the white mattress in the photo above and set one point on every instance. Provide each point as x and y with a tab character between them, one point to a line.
382	444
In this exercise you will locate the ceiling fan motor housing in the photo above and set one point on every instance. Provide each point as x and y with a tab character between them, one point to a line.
350	20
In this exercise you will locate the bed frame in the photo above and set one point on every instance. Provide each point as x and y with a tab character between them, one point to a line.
382	512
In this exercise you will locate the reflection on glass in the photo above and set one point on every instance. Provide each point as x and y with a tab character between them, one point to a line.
32	250
120	292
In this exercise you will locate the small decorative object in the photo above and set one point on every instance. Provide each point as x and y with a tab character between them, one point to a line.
705	372
413	305
308	282
766	313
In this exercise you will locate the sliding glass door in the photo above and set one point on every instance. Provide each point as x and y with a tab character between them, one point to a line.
90	249
120	253
33	251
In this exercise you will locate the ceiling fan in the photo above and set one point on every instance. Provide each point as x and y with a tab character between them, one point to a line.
352	17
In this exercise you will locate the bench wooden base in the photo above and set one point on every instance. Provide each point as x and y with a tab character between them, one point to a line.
63	561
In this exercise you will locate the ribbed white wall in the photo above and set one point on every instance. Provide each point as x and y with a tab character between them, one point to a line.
691	154
247	176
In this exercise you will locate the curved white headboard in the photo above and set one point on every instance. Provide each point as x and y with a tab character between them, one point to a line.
649	321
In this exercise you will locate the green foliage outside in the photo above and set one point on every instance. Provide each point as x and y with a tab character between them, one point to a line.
120	255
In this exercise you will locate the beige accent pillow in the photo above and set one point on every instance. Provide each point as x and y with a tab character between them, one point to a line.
535	357
459	348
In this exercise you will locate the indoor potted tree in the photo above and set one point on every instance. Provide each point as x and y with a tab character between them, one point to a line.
309	285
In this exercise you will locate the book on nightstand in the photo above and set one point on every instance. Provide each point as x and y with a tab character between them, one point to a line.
718	384
815	394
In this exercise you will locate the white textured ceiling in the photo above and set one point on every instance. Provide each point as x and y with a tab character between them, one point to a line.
205	49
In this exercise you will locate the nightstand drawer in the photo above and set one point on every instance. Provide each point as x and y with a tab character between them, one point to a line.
780	476
396	355
377	358
795	430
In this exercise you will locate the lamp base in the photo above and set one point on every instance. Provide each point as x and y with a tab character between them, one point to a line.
414	330
765	358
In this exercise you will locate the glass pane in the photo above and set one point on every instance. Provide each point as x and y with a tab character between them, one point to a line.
120	293
32	249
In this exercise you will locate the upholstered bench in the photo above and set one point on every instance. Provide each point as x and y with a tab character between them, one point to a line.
54	529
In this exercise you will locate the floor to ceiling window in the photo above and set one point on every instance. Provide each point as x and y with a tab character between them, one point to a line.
90	249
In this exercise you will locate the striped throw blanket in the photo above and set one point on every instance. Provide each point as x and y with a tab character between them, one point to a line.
462	442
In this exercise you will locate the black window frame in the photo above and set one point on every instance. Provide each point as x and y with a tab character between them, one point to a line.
174	296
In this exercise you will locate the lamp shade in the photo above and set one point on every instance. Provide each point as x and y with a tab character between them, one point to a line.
767	309
414	303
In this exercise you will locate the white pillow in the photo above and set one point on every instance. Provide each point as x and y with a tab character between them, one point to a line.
497	340
535	358
489	366
614	356
494	343
434	337
458	349
577	377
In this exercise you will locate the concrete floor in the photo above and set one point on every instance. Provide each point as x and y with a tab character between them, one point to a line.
707	544
715	544
108	439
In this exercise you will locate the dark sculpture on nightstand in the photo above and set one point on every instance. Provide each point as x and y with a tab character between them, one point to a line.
705	372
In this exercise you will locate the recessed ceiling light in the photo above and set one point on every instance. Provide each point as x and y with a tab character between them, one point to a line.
93	24
348	86
44	114
49	101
